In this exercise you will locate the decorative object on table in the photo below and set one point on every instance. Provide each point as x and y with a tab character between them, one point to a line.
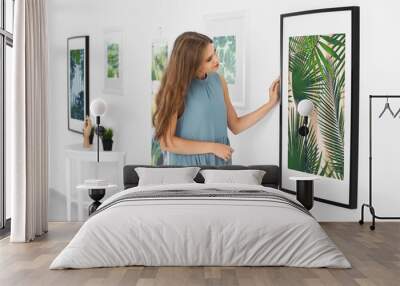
91	135
98	108
78	82
106	138
113	62
304	108
87	130
159	60
320	62
97	190
227	31
100	130
305	190
386	109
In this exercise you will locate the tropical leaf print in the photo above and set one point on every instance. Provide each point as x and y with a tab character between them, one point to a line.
316	72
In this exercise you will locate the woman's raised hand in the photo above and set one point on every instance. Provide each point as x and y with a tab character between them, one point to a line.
222	151
274	90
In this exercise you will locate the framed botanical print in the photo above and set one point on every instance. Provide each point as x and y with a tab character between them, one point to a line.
227	30
320	63
113	62
78	82
159	61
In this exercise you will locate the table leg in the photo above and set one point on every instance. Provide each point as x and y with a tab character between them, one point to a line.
120	182
80	195
305	193
68	187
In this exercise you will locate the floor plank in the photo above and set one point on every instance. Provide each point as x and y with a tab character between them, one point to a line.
374	255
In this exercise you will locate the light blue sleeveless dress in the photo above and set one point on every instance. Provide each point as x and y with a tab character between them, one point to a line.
204	119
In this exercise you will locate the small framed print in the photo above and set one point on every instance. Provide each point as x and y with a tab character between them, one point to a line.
78	82
227	30
113	62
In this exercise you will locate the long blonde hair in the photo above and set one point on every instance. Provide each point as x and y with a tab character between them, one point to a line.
186	57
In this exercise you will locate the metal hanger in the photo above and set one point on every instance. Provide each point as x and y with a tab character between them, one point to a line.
397	113
387	107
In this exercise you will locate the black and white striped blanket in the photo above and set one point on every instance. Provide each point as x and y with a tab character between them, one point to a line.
205	194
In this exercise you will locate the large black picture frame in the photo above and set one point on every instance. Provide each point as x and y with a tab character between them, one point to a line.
82	43
354	130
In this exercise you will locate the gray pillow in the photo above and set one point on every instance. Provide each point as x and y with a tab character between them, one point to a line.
248	177
162	176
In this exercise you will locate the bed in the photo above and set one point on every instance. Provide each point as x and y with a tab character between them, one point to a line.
198	224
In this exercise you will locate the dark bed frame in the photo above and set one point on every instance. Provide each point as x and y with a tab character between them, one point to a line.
270	179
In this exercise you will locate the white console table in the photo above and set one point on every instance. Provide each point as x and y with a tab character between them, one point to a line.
77	153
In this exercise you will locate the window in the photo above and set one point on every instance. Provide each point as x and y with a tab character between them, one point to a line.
6	44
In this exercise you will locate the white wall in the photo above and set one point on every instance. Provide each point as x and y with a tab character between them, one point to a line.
130	114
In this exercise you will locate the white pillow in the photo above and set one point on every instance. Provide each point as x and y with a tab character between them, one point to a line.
248	177
162	176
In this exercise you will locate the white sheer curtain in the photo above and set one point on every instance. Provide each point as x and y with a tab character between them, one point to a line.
28	115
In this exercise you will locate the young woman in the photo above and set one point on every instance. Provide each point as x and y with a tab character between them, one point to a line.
193	108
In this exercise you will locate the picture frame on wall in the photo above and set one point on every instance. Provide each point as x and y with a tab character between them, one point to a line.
227	30
320	63
78	82
159	61
113	62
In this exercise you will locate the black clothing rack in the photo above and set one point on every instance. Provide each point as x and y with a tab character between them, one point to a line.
369	205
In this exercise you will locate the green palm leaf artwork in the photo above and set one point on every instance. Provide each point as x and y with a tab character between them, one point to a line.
159	61
316	72
225	47
157	156
112	60
158	66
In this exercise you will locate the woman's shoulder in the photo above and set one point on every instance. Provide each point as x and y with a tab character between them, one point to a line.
215	76
219	79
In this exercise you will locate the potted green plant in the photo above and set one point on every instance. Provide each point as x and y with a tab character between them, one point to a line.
106	138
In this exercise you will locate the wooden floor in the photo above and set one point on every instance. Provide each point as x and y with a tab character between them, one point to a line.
375	257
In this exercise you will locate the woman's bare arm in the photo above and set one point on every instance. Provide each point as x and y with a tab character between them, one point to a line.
172	143
238	124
